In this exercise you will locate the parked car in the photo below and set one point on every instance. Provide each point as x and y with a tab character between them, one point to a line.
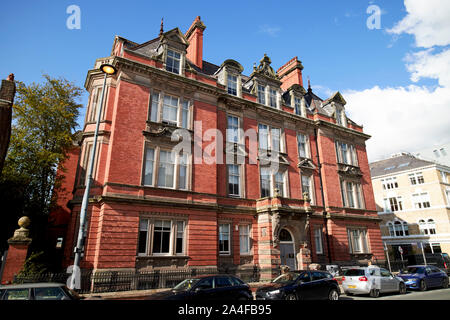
423	277
371	280
440	260
301	285
38	291
211	287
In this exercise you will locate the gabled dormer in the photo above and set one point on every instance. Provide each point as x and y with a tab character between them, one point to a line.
172	50
264	83
229	74
335	107
294	97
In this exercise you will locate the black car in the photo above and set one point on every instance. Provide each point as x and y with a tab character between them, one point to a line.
301	285
211	287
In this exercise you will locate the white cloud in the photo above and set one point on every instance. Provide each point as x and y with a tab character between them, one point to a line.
413	117
269	30
400	119
425	64
428	21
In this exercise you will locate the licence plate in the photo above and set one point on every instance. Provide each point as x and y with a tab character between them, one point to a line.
351	286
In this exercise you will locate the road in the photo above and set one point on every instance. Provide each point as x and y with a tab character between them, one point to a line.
432	294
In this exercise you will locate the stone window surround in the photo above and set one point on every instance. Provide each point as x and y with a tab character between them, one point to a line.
363	242
269	137
182	59
267	94
181	99
173	233
350	148
230	237
388	204
85	158
157	148
307	145
250	242
344	194
272	181
312	195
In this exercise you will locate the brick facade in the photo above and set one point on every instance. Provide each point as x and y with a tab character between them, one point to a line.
121	200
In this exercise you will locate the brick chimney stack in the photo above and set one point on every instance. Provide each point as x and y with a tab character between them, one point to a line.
291	73
195	37
7	92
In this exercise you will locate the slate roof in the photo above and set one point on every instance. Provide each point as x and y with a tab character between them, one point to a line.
397	164
148	48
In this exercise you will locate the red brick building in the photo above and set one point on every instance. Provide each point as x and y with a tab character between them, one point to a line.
149	210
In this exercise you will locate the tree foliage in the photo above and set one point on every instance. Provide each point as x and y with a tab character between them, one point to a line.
43	121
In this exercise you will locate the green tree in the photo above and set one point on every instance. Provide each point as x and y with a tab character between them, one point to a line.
43	121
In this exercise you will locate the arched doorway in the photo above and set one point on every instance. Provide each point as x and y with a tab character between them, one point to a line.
287	250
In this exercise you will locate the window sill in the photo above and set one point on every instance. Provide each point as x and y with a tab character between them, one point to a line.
163	257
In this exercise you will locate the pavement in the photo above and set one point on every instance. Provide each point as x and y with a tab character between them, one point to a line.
432	294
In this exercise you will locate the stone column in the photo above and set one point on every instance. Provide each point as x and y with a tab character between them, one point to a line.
17	251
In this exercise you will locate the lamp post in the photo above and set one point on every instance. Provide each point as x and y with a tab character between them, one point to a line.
107	69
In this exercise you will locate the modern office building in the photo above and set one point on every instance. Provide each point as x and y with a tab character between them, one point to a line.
413	201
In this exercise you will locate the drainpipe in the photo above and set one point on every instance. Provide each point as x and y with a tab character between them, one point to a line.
324	213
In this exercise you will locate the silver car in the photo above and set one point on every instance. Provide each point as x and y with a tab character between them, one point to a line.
371	280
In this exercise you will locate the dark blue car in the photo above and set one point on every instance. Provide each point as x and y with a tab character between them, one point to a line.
422	277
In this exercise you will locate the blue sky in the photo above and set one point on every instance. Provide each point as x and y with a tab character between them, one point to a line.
331	38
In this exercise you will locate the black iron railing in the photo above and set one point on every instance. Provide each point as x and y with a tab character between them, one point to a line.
112	281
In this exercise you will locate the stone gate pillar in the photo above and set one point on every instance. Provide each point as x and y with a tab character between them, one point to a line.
17	251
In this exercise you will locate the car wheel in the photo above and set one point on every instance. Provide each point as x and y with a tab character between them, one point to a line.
402	288
445	283
291	296
333	295
374	293
423	285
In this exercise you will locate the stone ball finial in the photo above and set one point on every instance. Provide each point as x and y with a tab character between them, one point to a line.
24	222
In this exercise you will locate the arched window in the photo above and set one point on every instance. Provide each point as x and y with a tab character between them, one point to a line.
431	226
391	229
405	228
423	227
285	235
398	229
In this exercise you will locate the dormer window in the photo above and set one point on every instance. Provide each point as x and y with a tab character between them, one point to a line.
272	97
173	61
339	116
261	94
232	85
298	106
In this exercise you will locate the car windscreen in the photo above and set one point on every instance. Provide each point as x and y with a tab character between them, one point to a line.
287	277
185	284
413	270
354	272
